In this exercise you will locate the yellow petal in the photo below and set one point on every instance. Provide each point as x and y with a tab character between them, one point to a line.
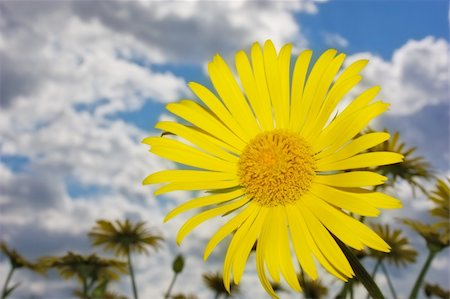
363	160
236	242
312	84
262	112
326	243
202	217
344	200
377	199
201	119
270	246
197	185
351	179
322	257
335	95
246	245
298	84
346	228
230	93
320	93
201	139
287	267
185	154
284	61
260	252
300	243
218	108
261	83
273	83
354	147
188	176
229	227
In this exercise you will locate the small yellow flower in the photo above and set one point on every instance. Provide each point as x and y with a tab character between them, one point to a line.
269	150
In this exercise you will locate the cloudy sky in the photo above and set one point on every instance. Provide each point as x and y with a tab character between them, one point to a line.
83	82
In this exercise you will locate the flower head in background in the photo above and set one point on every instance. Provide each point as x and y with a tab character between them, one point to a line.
270	151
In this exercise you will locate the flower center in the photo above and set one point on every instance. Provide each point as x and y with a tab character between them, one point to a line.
276	168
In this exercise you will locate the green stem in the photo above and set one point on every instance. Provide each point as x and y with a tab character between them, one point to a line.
8	278
422	273
85	288
374	271
351	289
391	286
169	290
130	267
305	285
343	293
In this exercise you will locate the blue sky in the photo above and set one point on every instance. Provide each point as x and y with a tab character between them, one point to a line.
84	82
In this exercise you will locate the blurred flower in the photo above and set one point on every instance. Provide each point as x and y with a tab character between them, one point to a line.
441	197
214	281
413	169
401	252
89	269
312	289
16	261
272	155
177	267
183	296
436	290
435	235
124	238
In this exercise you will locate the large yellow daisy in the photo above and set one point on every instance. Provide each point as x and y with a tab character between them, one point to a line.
271	150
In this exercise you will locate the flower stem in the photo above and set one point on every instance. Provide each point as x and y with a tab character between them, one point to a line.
374	271
5	286
133	282
417	285
169	290
391	286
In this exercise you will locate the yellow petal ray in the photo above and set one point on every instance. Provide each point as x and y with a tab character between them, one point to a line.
325	242
204	201
235	243
353	69
284	60
351	179
201	139
361	100
345	227
287	268
311	86
271	245
377	199
229	227
330	218
260	253
320	93
246	245
188	176
185	154
218	108
354	147
248	81
206	122
197	185
298	84
230	93
189	225
261	83
336	94
344	200
321	257
334	136
299	241
273	83
363	160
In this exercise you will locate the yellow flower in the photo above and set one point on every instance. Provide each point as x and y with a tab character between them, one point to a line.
271	153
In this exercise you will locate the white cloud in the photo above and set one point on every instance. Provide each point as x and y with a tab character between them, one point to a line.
335	40
416	76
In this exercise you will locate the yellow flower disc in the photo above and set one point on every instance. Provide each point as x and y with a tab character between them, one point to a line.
276	168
